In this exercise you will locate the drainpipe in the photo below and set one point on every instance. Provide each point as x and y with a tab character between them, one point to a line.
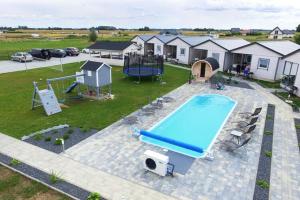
276	69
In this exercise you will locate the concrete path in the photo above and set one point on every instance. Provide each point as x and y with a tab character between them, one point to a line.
12	66
109	186
285	169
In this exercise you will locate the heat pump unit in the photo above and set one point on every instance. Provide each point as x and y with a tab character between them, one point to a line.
156	163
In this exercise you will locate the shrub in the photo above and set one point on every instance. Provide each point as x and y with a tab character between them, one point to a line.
268	154
93	36
14	162
70	131
263	184
48	139
54	177
38	137
94	196
58	141
84	130
66	136
297	38
268	132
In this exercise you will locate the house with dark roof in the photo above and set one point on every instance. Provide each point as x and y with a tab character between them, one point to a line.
115	50
278	34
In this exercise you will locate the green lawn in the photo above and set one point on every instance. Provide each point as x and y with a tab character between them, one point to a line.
268	84
17	118
284	96
14	186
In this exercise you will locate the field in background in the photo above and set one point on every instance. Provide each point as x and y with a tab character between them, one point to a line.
22	40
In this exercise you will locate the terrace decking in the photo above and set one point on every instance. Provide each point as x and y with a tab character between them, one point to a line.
110	161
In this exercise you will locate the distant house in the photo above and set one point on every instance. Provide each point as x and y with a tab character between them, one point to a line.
169	32
245	32
115	50
235	30
278	34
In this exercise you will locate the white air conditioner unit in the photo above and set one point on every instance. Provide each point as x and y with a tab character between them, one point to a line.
156	163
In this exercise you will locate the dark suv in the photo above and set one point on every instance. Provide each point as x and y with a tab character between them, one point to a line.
58	53
41	53
72	51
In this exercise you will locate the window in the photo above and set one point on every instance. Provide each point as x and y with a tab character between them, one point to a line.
216	56
158	49
263	63
89	73
276	32
182	51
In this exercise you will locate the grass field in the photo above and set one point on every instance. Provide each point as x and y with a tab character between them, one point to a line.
14	186
17	118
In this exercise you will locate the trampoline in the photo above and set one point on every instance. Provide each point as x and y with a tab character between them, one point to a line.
143	66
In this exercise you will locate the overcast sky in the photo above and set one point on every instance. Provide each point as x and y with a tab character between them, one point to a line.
264	14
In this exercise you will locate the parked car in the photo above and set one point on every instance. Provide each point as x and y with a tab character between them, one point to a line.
22	57
58	53
72	51
89	51
41	53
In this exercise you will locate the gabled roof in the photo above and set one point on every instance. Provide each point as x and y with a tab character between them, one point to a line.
274	29
114	46
286	31
227	44
163	38
292	53
145	37
283	47
91	65
191	40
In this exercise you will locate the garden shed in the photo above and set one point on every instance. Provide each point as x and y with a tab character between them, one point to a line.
202	70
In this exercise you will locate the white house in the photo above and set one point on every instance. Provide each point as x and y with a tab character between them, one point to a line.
219	49
159	43
278	34
141	40
265	58
182	45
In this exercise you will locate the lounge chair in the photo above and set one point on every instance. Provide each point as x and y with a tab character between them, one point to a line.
238	133
249	114
231	146
244	124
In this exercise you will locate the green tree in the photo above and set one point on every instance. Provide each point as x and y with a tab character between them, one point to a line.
298	28
297	38
93	36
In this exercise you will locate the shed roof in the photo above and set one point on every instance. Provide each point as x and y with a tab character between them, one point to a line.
91	65
213	63
114	46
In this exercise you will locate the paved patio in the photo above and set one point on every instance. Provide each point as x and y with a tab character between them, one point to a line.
110	161
228	176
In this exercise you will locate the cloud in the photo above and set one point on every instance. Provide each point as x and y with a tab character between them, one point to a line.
154	13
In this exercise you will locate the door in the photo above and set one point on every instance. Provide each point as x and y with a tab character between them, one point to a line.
202	71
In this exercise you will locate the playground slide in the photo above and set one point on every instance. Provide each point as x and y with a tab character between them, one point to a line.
71	87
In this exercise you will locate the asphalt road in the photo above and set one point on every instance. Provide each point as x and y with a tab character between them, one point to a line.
12	66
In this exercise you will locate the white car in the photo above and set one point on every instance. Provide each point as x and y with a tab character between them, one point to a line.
85	50
22	57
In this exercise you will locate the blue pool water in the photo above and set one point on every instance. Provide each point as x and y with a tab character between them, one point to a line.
193	127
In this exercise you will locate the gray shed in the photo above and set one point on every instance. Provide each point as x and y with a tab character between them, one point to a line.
96	74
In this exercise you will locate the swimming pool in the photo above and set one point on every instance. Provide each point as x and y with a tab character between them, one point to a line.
193	127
